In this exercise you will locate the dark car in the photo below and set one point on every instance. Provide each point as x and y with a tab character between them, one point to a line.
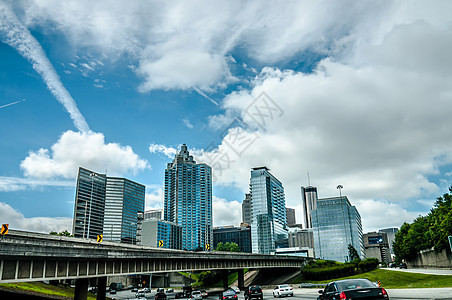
134	290
402	266
228	295
352	289
254	291
160	296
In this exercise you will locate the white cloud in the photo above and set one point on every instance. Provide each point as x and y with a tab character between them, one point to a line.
168	151
187	123
154	197
16	220
226	212
77	149
10	184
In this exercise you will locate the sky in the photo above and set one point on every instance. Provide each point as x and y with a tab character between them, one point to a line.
355	93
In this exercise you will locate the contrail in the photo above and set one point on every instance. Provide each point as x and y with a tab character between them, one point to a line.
15	34
204	95
12	103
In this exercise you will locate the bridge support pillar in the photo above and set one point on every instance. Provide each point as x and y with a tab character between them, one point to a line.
225	278
101	288
241	279
81	289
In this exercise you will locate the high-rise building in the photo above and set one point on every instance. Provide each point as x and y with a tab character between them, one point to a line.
230	234
153	213
336	224
268	210
309	199
376	246
89	207
108	206
188	200
123	200
246	209
391	232
290	215
160	233
301	238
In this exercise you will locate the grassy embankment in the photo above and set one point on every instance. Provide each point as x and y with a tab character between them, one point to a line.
398	279
43	289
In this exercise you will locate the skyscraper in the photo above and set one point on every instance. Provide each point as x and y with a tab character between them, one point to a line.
188	199
268	210
246	209
108	206
309	199
123	200
336	224
290	215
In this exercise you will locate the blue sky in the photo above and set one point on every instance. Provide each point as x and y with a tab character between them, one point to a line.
357	94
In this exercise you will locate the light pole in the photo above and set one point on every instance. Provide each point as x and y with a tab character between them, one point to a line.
340	187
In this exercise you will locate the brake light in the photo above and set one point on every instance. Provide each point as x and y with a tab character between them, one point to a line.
342	296
384	292
281	290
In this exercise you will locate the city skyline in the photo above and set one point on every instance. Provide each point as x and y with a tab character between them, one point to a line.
344	91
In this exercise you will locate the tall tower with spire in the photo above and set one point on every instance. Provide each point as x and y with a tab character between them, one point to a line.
188	200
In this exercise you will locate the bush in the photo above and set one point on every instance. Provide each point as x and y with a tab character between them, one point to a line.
327	269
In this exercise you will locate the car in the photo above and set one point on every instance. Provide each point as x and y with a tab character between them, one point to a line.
282	290
352	289
160	296
204	293
134	290
140	294
254	291
235	289
147	290
402	266
179	295
228	295
112	292
170	290
196	295
160	290
130	287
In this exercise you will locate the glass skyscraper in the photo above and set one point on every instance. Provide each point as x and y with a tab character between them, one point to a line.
268	212
108	206
188	200
309	199
336	224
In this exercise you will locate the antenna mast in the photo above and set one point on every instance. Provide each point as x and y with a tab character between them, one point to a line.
309	180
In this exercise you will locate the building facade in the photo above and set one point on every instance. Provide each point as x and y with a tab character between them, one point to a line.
301	238
188	200
153	213
336	224
376	245
124	199
239	235
290	216
390	232
160	233
88	221
268	211
309	200
246	209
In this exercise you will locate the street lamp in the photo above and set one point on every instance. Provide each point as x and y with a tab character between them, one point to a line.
340	187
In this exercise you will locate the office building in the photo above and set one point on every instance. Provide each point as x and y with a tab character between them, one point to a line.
246	209
188	200
153	213
301	238
390	232
309	200
230	234
124	199
268	211
290	215
336	224
161	233
376	246
108	206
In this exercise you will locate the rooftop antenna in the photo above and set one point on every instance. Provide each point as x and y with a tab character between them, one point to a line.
309	180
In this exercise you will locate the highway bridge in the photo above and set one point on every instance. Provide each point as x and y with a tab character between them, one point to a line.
27	256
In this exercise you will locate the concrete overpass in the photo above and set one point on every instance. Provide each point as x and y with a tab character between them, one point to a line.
27	256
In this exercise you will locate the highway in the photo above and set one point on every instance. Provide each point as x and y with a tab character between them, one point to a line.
302	294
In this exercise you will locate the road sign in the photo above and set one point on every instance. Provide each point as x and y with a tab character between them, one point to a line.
207	246
450	242
379	283
99	238
4	229
160	243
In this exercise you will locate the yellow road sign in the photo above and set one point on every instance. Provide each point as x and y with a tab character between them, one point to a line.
4	229
207	246
160	243
99	238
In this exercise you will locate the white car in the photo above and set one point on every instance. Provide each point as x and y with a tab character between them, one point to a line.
196	295
282	290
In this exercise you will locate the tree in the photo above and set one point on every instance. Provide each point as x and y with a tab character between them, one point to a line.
229	247
62	233
352	253
220	246
234	248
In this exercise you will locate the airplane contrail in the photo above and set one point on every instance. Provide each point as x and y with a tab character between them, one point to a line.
204	95
15	34
12	103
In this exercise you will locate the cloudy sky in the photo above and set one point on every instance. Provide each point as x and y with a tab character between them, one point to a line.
357	93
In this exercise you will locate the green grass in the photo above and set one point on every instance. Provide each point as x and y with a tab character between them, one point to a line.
402	280
42	288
